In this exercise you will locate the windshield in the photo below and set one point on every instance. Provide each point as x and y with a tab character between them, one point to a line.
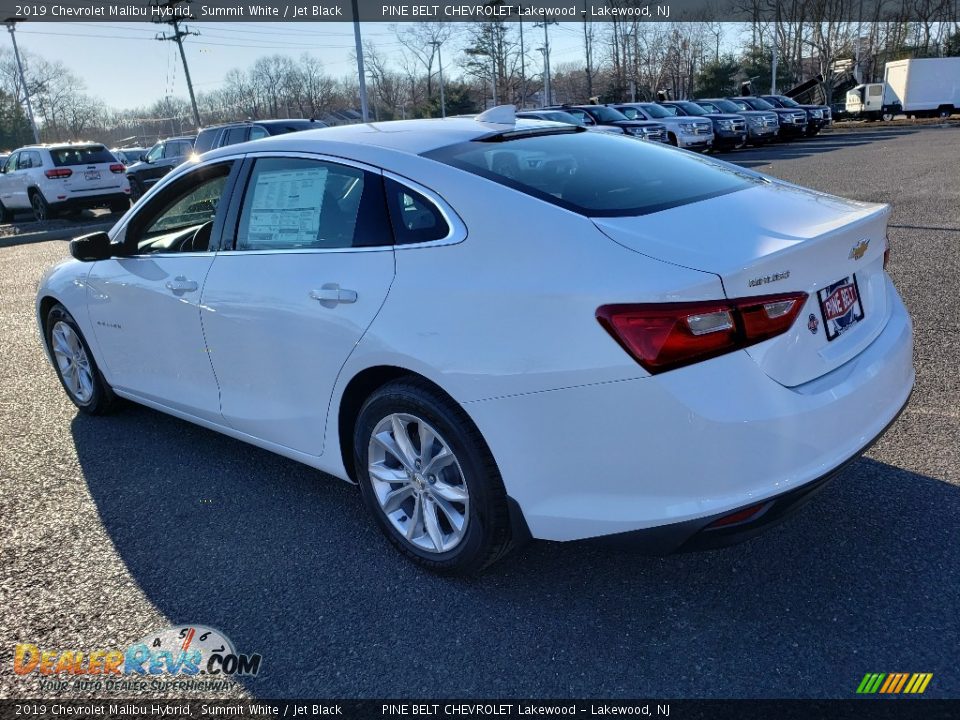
727	106
596	174
606	114
692	108
757	103
655	110
787	102
671	110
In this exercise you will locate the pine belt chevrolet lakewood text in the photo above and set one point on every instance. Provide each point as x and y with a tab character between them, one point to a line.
500	328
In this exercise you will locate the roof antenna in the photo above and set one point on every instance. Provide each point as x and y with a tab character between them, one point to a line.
499	115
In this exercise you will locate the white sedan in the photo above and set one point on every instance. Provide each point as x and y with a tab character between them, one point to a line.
500	329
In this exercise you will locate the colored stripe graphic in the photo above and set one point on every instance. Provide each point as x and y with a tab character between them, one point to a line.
894	683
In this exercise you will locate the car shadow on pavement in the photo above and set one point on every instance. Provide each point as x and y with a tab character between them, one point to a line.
285	561
804	147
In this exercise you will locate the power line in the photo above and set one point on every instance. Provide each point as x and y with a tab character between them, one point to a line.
171	9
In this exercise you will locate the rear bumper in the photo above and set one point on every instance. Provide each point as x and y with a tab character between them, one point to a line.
695	535
89	201
689	445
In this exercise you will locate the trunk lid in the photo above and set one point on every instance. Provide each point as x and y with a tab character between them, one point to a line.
778	238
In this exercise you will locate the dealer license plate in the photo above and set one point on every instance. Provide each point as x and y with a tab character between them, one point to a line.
92	174
840	306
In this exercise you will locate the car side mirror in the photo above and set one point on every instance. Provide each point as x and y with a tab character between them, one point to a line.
144	158
92	247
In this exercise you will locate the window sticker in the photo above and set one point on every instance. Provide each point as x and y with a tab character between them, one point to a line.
286	207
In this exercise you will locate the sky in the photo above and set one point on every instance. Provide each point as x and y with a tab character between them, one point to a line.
122	63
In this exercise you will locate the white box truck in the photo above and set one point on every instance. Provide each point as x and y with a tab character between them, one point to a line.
928	87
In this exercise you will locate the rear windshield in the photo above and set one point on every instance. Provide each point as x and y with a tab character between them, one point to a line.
596	174
82	155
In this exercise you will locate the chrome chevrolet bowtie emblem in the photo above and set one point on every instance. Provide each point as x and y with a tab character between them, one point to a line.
859	250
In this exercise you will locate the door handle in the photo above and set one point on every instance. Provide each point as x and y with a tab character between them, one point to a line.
331	294
181	285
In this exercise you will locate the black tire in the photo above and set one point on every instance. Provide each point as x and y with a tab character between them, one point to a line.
886	117
5	215
673	140
487	536
102	399
40	206
136	189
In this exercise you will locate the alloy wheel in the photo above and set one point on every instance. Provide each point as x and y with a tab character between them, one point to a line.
418	483
73	362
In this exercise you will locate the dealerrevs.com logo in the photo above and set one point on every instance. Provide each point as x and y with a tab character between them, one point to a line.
189	657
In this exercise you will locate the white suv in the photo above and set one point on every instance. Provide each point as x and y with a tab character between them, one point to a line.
53	179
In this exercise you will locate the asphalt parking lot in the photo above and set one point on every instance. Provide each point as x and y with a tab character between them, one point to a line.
114	527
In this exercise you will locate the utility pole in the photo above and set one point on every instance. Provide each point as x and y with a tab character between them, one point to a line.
360	71
773	69
546	60
493	58
773	58
174	18
588	51
523	61
11	24
443	101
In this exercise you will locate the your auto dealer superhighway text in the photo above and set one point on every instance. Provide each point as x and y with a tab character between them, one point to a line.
507	709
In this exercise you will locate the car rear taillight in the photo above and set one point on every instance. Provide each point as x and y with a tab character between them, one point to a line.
117	168
664	336
58	173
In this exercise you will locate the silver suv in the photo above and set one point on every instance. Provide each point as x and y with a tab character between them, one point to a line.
686	132
62	178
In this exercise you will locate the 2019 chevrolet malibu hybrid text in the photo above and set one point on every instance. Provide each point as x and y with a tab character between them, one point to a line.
500	328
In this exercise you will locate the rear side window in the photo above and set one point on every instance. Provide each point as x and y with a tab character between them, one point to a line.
235	135
205	140
596	174
415	219
81	155
178	148
300	204
29	159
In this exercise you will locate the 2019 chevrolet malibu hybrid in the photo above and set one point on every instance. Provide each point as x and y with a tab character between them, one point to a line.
500	328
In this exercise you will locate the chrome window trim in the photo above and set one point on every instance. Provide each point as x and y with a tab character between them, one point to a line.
118	232
457	229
